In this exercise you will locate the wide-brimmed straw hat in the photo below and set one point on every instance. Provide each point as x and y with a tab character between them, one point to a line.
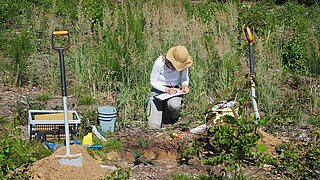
179	57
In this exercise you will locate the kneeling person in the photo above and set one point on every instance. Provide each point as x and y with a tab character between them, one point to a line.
169	72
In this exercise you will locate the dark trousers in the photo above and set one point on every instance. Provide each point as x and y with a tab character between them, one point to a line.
163	112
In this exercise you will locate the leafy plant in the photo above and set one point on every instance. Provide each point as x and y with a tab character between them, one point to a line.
141	142
181	176
290	160
137	153
232	141
296	161
89	117
120	174
191	152
113	144
16	154
313	159
295	54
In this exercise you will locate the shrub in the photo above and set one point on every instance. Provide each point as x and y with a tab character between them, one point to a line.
16	154
295	56
231	141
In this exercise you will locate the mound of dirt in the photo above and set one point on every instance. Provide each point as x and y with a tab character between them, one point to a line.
270	141
49	168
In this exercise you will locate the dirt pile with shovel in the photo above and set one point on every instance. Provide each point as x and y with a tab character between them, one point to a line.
49	168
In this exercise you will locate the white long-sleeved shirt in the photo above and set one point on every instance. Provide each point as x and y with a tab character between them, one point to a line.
162	76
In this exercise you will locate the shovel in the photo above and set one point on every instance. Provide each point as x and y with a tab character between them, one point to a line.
67	159
253	85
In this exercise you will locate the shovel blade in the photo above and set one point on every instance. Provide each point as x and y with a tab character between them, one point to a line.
71	160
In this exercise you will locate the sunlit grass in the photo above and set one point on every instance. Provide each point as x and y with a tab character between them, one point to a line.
114	45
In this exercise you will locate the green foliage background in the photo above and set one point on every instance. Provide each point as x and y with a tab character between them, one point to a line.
114	45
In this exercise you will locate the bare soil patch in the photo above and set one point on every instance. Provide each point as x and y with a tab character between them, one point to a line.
159	150
270	141
9	97
159	153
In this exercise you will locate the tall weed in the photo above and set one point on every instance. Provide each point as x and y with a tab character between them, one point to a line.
267	75
19	49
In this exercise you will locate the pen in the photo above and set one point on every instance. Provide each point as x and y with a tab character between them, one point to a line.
174	89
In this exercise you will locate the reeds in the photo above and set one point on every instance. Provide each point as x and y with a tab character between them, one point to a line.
19	48
114	45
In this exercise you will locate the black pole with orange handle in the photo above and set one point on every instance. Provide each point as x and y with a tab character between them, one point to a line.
252	75
61	57
68	159
250	40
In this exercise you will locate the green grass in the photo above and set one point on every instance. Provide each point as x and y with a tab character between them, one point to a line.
43	97
19	48
114	45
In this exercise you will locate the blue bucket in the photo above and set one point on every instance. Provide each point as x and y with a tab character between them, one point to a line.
107	116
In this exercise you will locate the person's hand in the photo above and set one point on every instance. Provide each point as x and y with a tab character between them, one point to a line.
185	89
171	90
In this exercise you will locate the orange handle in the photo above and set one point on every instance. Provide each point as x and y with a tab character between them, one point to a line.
60	33
250	38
